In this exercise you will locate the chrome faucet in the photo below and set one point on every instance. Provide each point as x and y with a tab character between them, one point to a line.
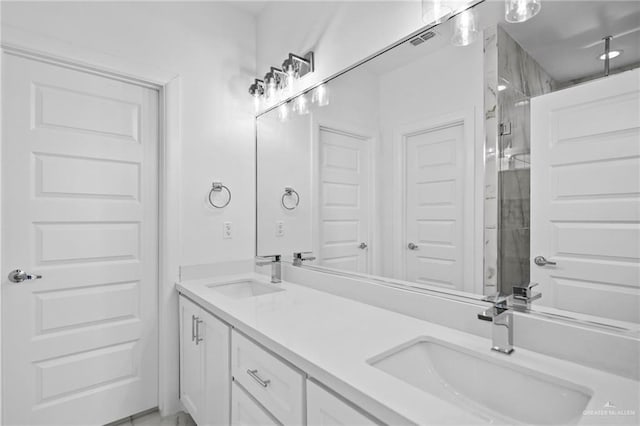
501	314
299	257
523	296
502	330
276	266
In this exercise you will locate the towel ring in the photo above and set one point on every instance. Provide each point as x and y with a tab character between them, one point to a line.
288	192
218	187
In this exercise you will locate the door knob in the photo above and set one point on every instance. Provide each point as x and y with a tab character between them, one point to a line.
18	276
363	246
541	261
412	246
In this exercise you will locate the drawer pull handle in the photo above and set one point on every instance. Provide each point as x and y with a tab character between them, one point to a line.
254	375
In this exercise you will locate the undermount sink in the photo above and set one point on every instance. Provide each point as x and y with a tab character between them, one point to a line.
244	288
497	391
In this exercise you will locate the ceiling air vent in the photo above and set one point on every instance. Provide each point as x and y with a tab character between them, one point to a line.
419	39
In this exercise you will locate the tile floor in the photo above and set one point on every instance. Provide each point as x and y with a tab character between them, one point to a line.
154	419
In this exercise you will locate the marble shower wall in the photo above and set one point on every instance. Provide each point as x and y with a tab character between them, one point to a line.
490	267
521	78
507	157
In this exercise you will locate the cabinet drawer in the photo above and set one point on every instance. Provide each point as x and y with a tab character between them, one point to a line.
245	411
277	386
324	409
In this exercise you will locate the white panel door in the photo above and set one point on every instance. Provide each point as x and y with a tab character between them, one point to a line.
435	175
585	197
79	174
344	200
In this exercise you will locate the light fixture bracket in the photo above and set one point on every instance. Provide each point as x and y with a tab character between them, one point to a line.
303	65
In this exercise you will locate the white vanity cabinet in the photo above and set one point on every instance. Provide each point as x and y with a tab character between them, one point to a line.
276	385
325	409
204	365
227	378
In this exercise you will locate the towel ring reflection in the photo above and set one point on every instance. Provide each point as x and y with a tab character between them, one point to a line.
218	187
288	192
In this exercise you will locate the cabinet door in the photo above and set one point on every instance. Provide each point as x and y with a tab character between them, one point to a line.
214	348
245	411
324	409
190	360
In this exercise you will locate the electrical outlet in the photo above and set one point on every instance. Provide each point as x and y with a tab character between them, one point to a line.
279	228
226	230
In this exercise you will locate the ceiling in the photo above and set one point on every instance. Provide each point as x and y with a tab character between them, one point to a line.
565	38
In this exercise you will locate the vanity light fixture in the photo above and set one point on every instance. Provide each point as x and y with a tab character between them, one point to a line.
320	95
465	28
521	10
257	91
280	81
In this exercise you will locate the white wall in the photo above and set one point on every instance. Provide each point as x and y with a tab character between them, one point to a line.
340	33
212	47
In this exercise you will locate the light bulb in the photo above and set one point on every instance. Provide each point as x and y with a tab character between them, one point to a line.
256	103
270	86
320	95
271	90
520	10
300	105
436	11
465	28
612	54
283	112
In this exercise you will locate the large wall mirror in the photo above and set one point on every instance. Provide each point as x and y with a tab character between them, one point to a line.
471	169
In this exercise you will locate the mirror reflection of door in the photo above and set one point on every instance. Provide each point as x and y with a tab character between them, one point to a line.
585	205
434	159
344	200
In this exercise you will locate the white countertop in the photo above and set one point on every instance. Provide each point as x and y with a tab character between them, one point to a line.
331	338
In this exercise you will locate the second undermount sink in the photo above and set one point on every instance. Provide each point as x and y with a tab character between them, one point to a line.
497	391
244	288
